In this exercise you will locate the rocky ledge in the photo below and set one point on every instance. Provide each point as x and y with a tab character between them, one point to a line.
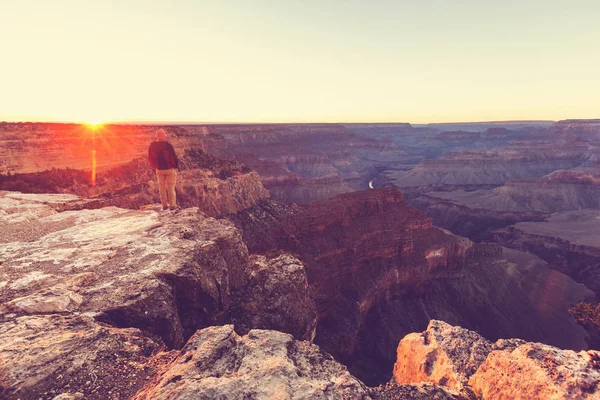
79	275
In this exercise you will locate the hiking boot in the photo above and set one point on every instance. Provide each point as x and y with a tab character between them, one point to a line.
173	208
165	208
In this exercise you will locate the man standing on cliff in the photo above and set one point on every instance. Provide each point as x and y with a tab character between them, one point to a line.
163	159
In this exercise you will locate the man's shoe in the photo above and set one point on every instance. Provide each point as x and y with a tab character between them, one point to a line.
173	208
165	208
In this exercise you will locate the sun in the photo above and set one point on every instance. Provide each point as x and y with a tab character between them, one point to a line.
94	125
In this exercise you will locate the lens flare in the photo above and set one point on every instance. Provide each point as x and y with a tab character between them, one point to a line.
94	167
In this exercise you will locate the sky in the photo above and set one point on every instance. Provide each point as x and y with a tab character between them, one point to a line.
299	60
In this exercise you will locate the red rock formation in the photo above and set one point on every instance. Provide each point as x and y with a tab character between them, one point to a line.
31	147
301	162
474	221
558	191
306	162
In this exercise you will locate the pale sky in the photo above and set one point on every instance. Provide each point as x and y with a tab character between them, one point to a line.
299	60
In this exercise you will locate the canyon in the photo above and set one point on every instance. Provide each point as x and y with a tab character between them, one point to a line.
304	258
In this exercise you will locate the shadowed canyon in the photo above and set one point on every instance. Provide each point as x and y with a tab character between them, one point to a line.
355	261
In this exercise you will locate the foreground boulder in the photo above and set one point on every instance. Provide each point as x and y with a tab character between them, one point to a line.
507	369
443	354
219	364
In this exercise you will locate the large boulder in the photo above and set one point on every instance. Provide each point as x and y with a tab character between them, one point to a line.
219	364
74	283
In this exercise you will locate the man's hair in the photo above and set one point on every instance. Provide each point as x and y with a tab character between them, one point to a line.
161	134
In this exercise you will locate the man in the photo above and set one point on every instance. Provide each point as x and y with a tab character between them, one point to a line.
163	159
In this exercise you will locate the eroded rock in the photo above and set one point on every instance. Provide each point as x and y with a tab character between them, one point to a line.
167	274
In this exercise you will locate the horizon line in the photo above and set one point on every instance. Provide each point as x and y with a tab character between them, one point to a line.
175	122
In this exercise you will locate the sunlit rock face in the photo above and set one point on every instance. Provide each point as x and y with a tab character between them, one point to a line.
379	269
217	187
507	369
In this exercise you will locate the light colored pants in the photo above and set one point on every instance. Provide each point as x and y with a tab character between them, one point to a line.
167	178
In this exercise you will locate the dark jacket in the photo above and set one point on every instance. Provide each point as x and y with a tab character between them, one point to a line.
161	155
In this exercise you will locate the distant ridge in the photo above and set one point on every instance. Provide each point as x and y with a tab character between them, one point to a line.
579	121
